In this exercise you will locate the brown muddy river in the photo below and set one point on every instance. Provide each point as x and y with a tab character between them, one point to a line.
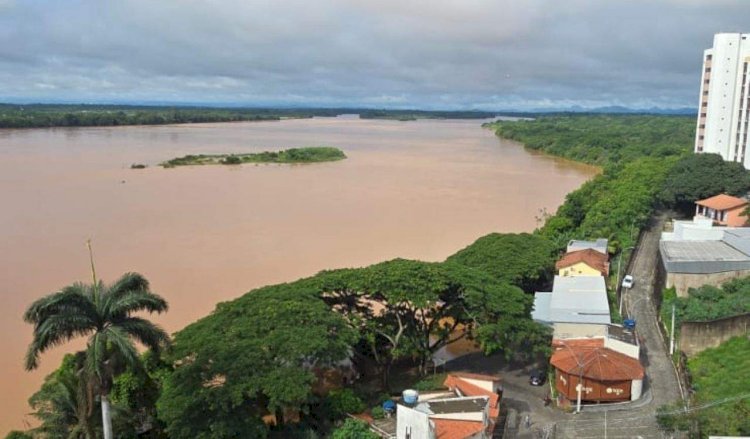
203	235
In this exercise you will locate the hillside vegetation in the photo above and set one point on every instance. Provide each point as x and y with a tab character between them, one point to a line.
721	399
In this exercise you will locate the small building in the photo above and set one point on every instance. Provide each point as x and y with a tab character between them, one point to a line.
450	418
599	245
604	375
699	253
578	299
467	409
587	262
723	209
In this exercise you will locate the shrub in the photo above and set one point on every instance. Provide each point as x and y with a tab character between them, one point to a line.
231	160
340	402
377	412
353	429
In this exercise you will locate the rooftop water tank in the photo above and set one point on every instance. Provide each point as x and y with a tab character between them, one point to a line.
410	396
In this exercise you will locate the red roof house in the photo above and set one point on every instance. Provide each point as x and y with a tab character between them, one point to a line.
723	209
604	374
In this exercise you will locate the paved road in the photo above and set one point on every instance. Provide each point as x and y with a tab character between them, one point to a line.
631	420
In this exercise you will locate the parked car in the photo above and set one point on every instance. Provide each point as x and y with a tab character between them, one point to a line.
537	377
627	281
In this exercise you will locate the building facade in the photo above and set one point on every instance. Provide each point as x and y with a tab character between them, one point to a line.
723	110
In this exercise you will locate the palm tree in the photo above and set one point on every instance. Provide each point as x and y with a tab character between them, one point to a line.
103	313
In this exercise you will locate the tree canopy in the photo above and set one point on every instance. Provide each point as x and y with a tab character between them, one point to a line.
698	176
522	259
251	357
410	309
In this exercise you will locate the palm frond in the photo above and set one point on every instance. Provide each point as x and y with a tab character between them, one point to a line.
145	332
54	330
120	343
75	298
132	301
126	283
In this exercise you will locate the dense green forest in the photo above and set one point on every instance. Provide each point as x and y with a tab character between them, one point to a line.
310	154
40	115
259	357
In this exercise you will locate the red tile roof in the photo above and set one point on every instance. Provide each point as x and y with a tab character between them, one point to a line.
722	202
590	257
453	429
596	363
454	383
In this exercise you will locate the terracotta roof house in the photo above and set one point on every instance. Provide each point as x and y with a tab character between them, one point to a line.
723	209
588	262
604	375
469	410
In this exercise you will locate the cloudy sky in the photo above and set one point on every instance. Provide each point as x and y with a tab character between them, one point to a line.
432	54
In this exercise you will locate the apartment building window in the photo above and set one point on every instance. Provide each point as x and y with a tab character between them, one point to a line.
702	126
708	57
700	137
703	114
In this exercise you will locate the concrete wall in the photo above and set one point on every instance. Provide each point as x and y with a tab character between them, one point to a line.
490	386
628	349
735	218
464	416
695	337
415	422
683	281
565	331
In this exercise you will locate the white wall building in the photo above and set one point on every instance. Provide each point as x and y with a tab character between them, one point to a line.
723	110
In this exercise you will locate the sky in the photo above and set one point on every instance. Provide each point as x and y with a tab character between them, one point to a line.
428	54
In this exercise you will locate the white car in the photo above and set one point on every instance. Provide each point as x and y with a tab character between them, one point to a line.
627	281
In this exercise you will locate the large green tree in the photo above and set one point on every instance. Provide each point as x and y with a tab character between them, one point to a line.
404	309
699	176
104	314
252	357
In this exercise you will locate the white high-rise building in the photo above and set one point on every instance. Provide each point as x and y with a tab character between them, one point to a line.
723	112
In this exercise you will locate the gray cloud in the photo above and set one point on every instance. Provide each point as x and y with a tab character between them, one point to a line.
484	54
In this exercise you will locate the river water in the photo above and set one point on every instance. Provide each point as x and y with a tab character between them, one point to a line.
208	234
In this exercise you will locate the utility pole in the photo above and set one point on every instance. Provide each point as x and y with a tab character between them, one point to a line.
671	336
605	424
